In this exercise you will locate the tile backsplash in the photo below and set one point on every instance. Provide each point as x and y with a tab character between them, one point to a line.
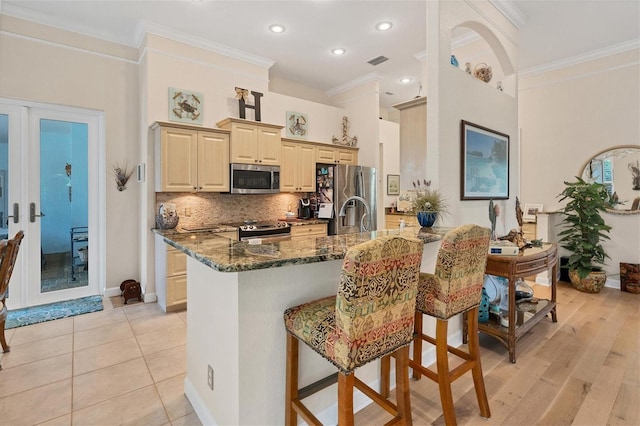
213	207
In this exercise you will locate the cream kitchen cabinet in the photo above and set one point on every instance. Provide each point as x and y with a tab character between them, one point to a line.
305	231
253	142
392	220
331	155
171	277
298	170
191	159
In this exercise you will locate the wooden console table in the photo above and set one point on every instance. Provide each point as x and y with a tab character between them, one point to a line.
523	316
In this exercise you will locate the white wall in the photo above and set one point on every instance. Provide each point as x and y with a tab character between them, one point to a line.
390	159
569	115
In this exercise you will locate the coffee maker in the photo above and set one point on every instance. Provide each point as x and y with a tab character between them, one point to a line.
304	208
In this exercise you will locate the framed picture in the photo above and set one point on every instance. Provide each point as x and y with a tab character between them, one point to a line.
485	163
393	184
297	125
530	212
185	106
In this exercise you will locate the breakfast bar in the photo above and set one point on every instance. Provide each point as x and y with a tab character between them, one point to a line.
237	293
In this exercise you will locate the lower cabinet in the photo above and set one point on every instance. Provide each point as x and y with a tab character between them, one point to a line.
304	231
171	277
392	221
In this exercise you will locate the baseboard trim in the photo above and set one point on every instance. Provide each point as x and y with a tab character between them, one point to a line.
198	405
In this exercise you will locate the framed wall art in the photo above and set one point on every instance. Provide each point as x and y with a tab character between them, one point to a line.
393	184
297	125
185	106
485	163
530	212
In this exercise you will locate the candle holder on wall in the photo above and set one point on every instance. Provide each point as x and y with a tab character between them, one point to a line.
122	175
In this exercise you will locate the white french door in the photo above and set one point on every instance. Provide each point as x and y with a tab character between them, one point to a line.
52	193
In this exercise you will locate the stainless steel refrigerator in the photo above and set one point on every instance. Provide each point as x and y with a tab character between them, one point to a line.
352	190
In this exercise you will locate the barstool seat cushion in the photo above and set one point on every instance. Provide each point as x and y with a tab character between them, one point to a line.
461	261
373	313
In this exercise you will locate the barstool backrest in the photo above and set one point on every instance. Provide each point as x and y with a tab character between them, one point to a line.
376	299
8	261
459	273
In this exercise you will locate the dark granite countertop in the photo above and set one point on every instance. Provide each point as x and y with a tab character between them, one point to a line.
226	255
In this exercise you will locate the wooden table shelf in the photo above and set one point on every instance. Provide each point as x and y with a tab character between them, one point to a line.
522	316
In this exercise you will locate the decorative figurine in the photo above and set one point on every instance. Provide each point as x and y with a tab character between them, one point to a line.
346	140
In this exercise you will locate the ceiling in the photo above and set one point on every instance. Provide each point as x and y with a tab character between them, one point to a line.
550	31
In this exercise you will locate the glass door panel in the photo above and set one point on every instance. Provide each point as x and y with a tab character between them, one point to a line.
64	232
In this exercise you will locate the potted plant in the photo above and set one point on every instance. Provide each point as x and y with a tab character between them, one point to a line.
583	233
427	203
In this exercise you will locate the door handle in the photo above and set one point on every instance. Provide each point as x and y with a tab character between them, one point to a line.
16	213
32	213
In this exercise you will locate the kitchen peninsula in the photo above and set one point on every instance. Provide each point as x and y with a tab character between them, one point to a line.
237	293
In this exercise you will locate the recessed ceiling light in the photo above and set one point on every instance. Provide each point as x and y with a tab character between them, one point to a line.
384	26
276	28
406	80
338	51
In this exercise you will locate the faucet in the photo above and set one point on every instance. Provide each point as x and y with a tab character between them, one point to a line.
343	211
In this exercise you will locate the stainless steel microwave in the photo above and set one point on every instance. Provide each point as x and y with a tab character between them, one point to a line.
254	179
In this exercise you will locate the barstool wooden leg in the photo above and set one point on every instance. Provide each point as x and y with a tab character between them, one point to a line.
444	379
417	344
345	399
474	353
403	396
385	373
291	392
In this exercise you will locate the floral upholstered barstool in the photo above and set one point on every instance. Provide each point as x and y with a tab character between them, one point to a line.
454	288
371	316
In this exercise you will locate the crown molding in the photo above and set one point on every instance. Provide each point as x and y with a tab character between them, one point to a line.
465	39
367	78
145	27
50	21
511	12
578	59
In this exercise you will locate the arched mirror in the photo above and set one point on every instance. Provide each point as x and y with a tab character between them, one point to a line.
618	168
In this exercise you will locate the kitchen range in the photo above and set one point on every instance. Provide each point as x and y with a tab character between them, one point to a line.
248	230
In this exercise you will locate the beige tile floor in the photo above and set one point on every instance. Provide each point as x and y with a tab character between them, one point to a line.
124	365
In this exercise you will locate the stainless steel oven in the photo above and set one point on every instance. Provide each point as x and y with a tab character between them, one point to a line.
254	179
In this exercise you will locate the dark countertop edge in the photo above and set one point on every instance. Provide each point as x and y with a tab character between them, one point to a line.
435	235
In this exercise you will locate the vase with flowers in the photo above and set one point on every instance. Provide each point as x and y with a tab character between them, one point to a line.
427	203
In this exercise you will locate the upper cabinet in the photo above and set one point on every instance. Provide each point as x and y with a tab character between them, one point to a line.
331	154
253	142
298	170
191	159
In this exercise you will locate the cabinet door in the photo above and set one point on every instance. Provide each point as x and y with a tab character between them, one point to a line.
307	168
176	262
304	231
176	291
269	146
325	154
179	156
244	143
345	156
213	162
288	182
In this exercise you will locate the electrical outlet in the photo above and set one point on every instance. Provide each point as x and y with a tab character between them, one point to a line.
210	377
187	211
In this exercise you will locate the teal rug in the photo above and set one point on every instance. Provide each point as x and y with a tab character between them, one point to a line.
52	311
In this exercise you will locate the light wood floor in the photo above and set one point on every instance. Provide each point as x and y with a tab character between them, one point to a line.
582	370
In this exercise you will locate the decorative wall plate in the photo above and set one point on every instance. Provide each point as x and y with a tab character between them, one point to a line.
185	106
297	125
